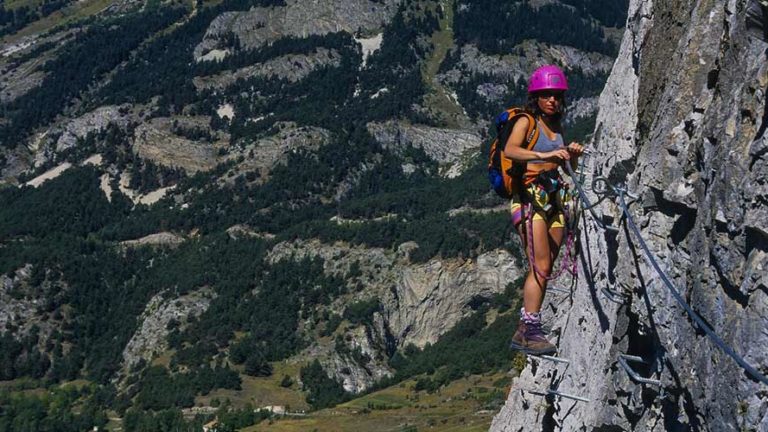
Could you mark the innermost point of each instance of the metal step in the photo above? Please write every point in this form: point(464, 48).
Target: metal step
point(560, 290)
point(558, 394)
point(551, 358)
point(623, 361)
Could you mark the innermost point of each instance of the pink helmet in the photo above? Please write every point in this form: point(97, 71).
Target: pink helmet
point(547, 77)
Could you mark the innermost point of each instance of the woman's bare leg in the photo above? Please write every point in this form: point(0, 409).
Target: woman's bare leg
point(535, 286)
point(529, 336)
point(556, 236)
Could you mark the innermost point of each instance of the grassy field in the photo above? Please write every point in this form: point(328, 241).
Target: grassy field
point(260, 392)
point(468, 404)
point(438, 98)
point(74, 12)
point(164, 359)
point(15, 4)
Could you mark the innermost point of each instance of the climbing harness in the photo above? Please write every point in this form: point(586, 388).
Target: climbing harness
point(568, 262)
point(539, 199)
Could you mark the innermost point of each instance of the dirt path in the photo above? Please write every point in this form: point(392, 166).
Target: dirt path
point(48, 175)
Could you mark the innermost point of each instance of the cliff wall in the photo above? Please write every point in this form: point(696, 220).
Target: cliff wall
point(682, 124)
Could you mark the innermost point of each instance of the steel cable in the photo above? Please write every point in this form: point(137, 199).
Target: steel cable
point(585, 200)
point(675, 293)
point(696, 318)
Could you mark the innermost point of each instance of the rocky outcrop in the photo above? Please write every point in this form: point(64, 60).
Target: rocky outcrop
point(17, 77)
point(155, 141)
point(260, 26)
point(94, 121)
point(515, 66)
point(242, 231)
point(420, 301)
point(264, 154)
point(582, 107)
point(292, 67)
point(446, 146)
point(429, 299)
point(23, 307)
point(151, 337)
point(65, 135)
point(16, 309)
point(361, 360)
point(13, 162)
point(18, 82)
point(682, 123)
point(158, 239)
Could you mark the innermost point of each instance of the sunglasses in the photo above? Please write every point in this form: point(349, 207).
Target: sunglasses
point(550, 94)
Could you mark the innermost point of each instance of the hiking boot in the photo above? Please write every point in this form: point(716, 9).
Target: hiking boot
point(529, 338)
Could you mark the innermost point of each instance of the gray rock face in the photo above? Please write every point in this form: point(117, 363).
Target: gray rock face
point(259, 26)
point(156, 142)
point(682, 123)
point(241, 231)
point(167, 239)
point(582, 107)
point(21, 307)
point(93, 121)
point(13, 162)
point(428, 299)
point(16, 79)
point(17, 82)
point(359, 374)
point(151, 337)
point(518, 65)
point(266, 153)
point(57, 138)
point(419, 302)
point(492, 92)
point(292, 67)
point(446, 146)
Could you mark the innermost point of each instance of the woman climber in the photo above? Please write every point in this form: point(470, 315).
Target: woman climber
point(539, 210)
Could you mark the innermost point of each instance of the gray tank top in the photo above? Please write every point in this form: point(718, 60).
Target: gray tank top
point(544, 144)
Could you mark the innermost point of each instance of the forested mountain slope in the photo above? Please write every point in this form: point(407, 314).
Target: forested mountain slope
point(268, 201)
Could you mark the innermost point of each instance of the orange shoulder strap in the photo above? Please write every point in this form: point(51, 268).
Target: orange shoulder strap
point(533, 132)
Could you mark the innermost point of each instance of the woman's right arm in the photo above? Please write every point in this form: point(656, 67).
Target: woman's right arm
point(514, 148)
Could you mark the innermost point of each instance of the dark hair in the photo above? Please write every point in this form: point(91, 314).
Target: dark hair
point(532, 107)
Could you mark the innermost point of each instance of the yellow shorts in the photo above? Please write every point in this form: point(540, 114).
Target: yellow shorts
point(554, 218)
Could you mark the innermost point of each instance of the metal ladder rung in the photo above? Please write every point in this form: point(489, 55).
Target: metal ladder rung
point(632, 373)
point(552, 358)
point(559, 394)
point(556, 289)
point(613, 296)
point(567, 396)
